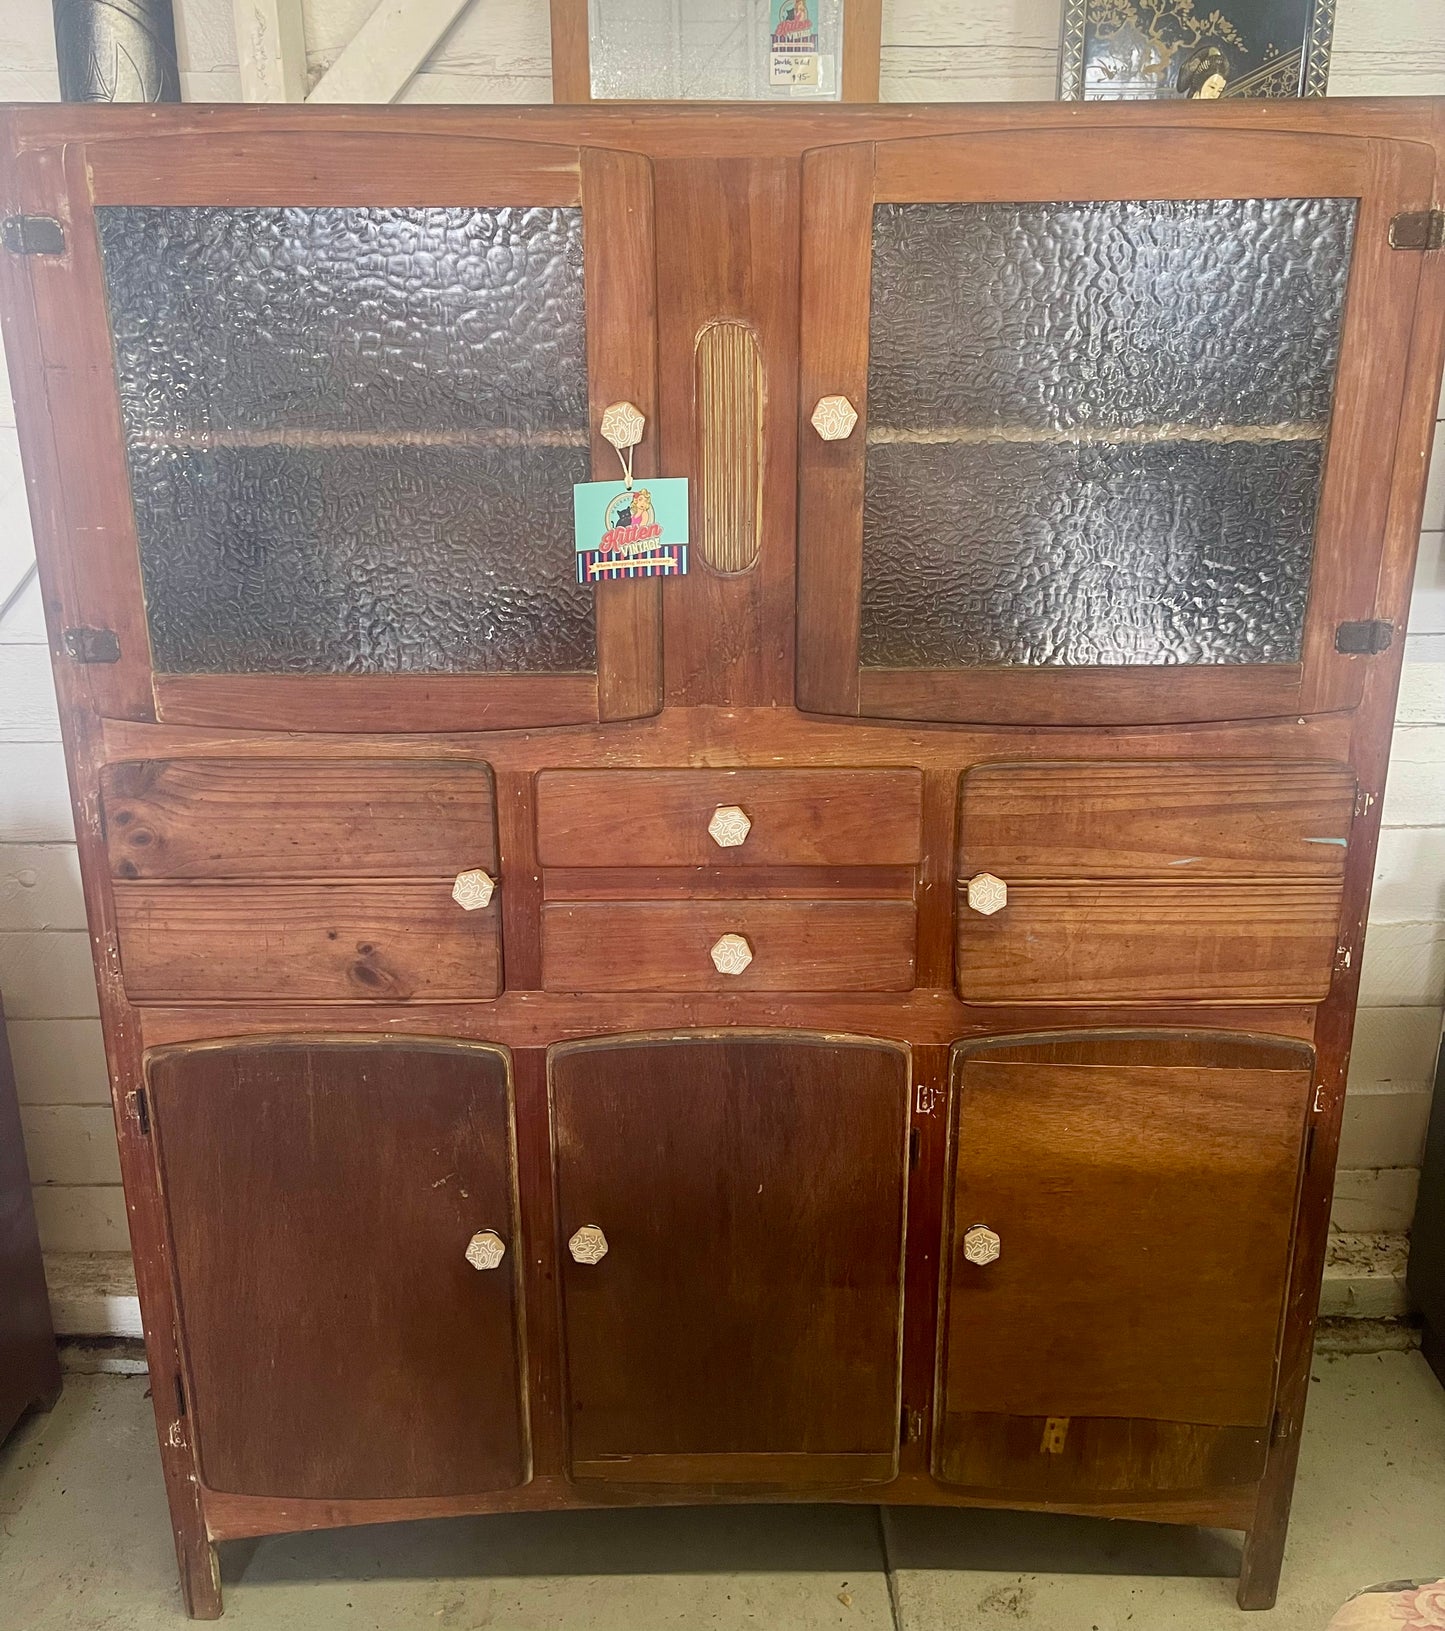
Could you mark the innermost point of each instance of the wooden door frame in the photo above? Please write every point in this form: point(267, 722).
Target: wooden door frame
point(840, 187)
point(91, 569)
point(572, 56)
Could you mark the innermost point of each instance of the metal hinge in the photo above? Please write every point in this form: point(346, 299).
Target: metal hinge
point(1418, 229)
point(142, 1111)
point(91, 645)
point(32, 235)
point(1364, 639)
point(910, 1426)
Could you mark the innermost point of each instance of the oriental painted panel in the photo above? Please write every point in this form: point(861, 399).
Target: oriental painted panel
point(1098, 473)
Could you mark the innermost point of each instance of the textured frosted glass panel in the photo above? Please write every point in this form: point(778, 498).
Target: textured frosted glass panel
point(1055, 316)
point(708, 50)
point(1178, 552)
point(364, 319)
point(353, 435)
point(1096, 431)
point(362, 560)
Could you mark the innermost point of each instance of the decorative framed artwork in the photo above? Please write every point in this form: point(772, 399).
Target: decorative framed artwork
point(715, 50)
point(1148, 50)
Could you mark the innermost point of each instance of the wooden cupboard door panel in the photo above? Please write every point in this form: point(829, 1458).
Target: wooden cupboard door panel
point(1146, 942)
point(397, 353)
point(609, 818)
point(744, 1324)
point(824, 945)
point(1180, 821)
point(320, 1199)
point(1143, 1213)
point(247, 818)
point(237, 942)
point(1199, 524)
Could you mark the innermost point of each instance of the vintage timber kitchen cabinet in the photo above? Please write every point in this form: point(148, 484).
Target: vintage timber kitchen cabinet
point(864, 1020)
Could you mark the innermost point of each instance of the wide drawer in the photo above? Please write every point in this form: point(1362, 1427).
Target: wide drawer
point(794, 817)
point(253, 818)
point(365, 942)
point(1184, 820)
point(1139, 942)
point(670, 945)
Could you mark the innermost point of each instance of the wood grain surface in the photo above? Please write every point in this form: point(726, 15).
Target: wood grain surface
point(320, 1196)
point(830, 945)
point(687, 1154)
point(228, 818)
point(800, 817)
point(365, 942)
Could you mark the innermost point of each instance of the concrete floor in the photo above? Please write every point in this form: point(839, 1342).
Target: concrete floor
point(84, 1545)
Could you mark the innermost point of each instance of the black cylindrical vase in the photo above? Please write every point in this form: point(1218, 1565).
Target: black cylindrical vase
point(116, 51)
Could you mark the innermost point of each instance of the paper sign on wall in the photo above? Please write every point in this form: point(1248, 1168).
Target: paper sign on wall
point(630, 532)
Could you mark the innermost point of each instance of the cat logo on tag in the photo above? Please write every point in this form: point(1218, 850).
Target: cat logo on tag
point(638, 532)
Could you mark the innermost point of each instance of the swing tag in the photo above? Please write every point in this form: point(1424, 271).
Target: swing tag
point(793, 58)
point(630, 532)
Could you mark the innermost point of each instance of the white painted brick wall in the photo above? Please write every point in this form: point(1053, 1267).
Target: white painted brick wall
point(498, 51)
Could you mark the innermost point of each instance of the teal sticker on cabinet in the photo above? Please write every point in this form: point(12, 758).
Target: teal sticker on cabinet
point(637, 532)
point(793, 59)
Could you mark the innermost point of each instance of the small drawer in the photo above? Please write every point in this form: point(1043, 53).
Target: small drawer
point(273, 818)
point(611, 818)
point(297, 943)
point(728, 945)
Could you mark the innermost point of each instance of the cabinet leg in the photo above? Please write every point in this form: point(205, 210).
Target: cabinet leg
point(48, 1393)
point(1432, 1345)
point(200, 1576)
point(1263, 1555)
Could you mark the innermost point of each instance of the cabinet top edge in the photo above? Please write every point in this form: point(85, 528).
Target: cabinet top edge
point(681, 129)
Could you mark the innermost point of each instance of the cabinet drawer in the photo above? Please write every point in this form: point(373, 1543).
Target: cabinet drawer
point(668, 945)
point(1132, 820)
point(1102, 942)
point(371, 942)
point(797, 817)
point(233, 818)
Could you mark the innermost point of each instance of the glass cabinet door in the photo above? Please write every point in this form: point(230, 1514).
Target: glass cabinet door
point(353, 399)
point(1113, 399)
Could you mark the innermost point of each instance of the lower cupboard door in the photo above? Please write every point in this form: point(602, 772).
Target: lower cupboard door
point(1118, 1234)
point(344, 1238)
point(730, 1215)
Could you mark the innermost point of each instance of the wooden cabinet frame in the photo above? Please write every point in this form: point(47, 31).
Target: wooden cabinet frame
point(717, 240)
point(841, 186)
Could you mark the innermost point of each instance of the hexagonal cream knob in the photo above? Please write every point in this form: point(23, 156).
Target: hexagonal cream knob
point(729, 826)
point(588, 1245)
point(987, 894)
point(834, 418)
point(981, 1245)
point(473, 890)
point(486, 1249)
point(622, 424)
point(731, 954)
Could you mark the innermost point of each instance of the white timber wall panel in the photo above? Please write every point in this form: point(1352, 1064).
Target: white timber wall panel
point(498, 51)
